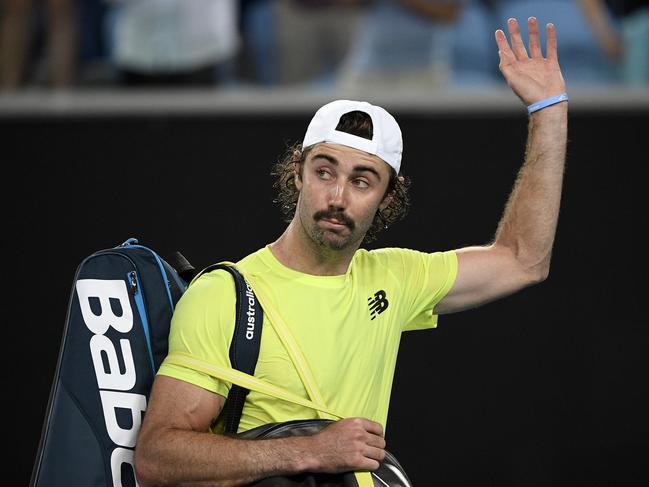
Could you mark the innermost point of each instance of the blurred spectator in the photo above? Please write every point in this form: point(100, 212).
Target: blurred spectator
point(633, 17)
point(403, 43)
point(174, 42)
point(313, 38)
point(94, 66)
point(259, 58)
point(474, 56)
point(19, 34)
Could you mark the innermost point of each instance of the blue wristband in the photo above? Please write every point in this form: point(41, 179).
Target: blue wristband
point(547, 102)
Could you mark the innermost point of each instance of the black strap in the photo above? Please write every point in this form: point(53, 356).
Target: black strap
point(182, 265)
point(246, 341)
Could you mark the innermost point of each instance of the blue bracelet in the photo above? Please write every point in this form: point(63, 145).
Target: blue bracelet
point(547, 102)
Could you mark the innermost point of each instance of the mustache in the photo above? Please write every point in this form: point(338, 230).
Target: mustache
point(335, 215)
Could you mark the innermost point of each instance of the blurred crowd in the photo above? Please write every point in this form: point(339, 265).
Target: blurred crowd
point(392, 44)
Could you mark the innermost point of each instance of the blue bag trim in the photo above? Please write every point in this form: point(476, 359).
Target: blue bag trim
point(129, 243)
point(162, 271)
point(139, 302)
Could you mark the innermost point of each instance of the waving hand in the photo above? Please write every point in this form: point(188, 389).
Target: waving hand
point(531, 76)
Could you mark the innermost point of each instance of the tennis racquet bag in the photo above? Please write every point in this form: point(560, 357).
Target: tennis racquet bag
point(389, 474)
point(114, 340)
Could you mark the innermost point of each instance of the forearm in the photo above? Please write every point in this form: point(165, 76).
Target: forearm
point(530, 218)
point(180, 457)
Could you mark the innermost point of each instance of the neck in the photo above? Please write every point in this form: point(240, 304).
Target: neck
point(299, 252)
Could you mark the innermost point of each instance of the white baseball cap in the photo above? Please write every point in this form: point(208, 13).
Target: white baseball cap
point(386, 141)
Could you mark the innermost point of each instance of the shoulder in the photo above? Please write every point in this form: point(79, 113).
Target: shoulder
point(213, 288)
point(215, 280)
point(220, 280)
point(390, 256)
point(384, 261)
point(403, 262)
point(209, 291)
point(204, 313)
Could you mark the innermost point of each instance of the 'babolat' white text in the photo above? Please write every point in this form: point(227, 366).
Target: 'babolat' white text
point(113, 385)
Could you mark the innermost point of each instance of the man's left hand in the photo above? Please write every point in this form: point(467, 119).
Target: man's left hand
point(532, 77)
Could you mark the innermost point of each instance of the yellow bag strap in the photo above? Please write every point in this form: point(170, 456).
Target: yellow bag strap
point(244, 380)
point(294, 351)
point(364, 479)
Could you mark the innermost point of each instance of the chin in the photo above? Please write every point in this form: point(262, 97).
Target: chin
point(336, 242)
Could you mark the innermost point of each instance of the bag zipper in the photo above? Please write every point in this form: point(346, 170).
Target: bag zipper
point(132, 243)
point(134, 281)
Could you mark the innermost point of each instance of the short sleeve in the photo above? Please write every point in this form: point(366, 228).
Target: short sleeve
point(202, 326)
point(425, 278)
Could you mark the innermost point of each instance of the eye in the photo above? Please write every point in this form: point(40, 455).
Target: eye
point(323, 173)
point(361, 183)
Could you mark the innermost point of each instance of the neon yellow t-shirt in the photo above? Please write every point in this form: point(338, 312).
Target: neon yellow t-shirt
point(348, 327)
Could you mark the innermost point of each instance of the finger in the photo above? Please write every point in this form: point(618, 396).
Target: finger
point(375, 440)
point(517, 42)
point(376, 454)
point(551, 45)
point(504, 51)
point(373, 427)
point(535, 43)
point(367, 464)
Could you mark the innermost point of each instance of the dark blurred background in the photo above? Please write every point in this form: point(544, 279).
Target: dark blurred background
point(161, 119)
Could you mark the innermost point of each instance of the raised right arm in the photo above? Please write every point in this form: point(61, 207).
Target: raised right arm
point(174, 446)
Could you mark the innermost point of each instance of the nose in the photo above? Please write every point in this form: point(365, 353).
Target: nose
point(337, 196)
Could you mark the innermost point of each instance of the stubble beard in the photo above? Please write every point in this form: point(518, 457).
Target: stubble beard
point(331, 238)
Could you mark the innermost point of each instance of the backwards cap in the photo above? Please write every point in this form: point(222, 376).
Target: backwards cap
point(386, 141)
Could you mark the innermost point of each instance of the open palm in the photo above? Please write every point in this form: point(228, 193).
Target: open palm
point(532, 77)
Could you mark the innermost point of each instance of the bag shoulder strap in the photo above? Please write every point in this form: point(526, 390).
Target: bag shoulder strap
point(246, 341)
point(244, 380)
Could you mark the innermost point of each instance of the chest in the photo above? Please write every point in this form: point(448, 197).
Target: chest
point(339, 330)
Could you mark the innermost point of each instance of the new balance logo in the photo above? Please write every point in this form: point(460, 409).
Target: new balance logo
point(377, 303)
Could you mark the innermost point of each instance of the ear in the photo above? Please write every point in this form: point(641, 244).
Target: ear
point(296, 176)
point(388, 197)
point(386, 201)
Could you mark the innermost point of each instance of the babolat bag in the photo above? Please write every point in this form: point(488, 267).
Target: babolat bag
point(114, 340)
point(389, 474)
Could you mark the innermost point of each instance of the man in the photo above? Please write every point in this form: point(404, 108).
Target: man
point(345, 306)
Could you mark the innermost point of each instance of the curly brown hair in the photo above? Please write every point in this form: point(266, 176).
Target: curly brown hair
point(356, 123)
